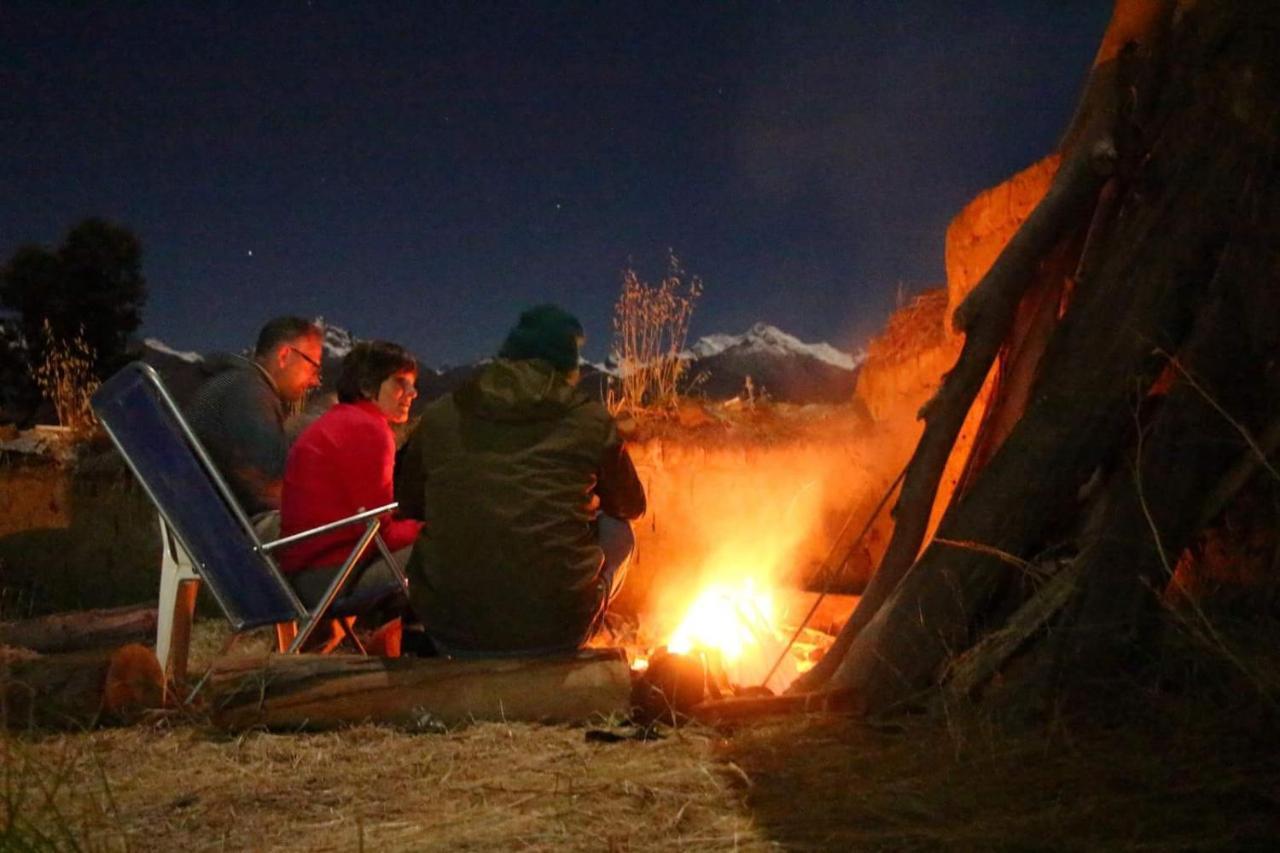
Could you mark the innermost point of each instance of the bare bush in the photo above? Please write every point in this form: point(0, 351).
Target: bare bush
point(650, 324)
point(65, 377)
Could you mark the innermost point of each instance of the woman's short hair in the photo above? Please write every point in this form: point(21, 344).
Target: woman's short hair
point(367, 366)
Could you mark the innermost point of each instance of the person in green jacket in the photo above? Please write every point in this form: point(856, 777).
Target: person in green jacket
point(527, 492)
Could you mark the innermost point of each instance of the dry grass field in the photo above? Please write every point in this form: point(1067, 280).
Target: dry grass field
point(1184, 761)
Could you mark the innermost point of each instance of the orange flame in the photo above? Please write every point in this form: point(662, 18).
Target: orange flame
point(730, 620)
point(735, 532)
point(739, 623)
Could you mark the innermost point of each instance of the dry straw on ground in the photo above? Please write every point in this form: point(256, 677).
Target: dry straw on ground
point(484, 787)
point(179, 785)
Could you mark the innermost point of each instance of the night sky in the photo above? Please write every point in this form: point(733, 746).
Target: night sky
point(421, 172)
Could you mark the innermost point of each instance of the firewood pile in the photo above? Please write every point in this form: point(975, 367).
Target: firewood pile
point(79, 669)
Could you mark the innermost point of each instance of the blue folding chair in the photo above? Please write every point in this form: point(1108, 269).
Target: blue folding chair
point(207, 536)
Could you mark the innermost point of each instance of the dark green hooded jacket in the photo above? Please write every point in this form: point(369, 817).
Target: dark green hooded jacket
point(504, 471)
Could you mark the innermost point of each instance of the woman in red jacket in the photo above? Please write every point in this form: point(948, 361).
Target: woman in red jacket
point(343, 464)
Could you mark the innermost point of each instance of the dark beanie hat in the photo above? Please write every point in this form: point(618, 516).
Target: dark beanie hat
point(547, 332)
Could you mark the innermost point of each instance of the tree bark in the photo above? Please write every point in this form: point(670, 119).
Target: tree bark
point(81, 630)
point(1251, 462)
point(295, 692)
point(1033, 325)
point(1226, 390)
point(81, 689)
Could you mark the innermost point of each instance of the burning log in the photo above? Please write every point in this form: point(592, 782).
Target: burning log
point(672, 686)
point(322, 692)
point(676, 688)
point(79, 689)
point(80, 630)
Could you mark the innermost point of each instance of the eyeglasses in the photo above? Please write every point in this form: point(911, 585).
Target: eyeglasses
point(308, 359)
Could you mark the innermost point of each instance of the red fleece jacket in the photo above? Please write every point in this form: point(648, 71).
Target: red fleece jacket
point(340, 465)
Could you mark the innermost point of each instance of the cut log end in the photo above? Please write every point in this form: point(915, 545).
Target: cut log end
point(81, 689)
point(134, 683)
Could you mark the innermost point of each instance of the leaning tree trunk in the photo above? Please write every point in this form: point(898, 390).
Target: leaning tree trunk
point(1101, 468)
point(1006, 313)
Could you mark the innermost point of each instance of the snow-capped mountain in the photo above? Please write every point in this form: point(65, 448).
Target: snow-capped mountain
point(779, 365)
point(770, 340)
point(184, 370)
point(181, 370)
point(161, 347)
point(337, 340)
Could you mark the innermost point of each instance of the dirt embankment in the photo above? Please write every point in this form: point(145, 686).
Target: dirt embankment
point(74, 536)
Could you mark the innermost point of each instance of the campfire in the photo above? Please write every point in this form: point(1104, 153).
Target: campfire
point(736, 533)
point(745, 637)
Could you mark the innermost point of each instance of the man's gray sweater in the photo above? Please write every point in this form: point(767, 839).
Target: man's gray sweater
point(239, 418)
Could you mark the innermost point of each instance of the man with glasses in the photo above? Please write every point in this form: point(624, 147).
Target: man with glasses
point(239, 412)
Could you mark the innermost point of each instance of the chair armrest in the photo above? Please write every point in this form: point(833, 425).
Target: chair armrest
point(325, 528)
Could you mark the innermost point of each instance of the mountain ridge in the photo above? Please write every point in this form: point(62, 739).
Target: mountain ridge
point(769, 361)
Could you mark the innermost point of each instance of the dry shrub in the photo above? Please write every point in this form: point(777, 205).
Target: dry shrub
point(65, 377)
point(650, 324)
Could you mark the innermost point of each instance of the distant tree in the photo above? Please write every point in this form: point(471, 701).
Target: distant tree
point(91, 286)
point(17, 390)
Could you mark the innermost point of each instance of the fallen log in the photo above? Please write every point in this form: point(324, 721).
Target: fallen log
point(79, 690)
point(318, 692)
point(81, 630)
